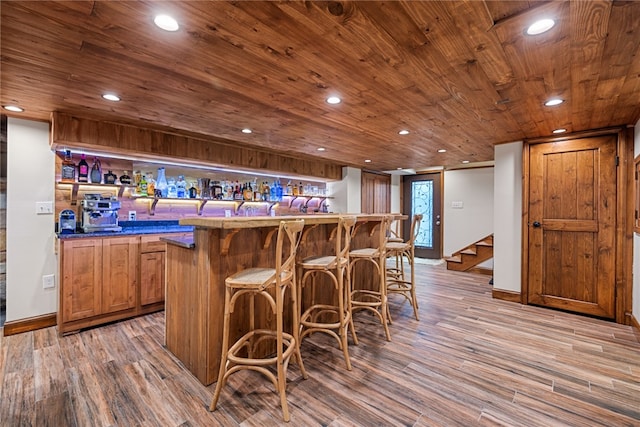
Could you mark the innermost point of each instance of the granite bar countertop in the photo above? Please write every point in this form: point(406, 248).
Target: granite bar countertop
point(183, 242)
point(133, 228)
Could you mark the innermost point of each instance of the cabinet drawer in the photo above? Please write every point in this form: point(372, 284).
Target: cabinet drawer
point(152, 244)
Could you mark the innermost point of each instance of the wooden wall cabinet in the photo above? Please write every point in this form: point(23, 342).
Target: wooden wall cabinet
point(110, 278)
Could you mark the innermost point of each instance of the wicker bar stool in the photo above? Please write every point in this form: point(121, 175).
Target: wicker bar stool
point(397, 282)
point(334, 317)
point(372, 299)
point(264, 282)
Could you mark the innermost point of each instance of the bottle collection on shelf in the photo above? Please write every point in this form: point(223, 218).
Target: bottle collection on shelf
point(178, 188)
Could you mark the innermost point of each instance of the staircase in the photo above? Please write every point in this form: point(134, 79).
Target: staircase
point(474, 254)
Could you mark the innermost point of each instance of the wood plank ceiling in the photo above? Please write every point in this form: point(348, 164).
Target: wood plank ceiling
point(459, 75)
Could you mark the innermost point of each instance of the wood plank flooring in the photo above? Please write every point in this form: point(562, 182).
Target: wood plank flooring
point(470, 360)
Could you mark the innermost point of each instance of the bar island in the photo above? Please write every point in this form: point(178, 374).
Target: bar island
point(196, 273)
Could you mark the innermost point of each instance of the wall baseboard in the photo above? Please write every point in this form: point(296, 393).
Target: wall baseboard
point(30, 324)
point(511, 296)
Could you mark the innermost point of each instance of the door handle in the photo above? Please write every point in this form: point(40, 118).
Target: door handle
point(536, 224)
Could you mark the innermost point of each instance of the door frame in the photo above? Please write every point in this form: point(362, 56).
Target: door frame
point(624, 217)
point(407, 223)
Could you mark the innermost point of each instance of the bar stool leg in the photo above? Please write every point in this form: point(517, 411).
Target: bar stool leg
point(225, 349)
point(296, 327)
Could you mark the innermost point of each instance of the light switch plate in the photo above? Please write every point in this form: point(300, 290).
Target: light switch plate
point(457, 205)
point(44, 208)
point(48, 281)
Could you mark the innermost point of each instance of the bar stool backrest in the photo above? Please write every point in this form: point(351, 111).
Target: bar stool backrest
point(415, 228)
point(385, 225)
point(343, 236)
point(289, 231)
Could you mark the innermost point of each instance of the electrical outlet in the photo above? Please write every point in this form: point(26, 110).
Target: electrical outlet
point(44, 208)
point(48, 281)
point(132, 215)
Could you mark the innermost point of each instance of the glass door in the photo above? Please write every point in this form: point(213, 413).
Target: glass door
point(422, 194)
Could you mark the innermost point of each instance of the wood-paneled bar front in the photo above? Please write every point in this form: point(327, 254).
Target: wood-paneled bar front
point(223, 246)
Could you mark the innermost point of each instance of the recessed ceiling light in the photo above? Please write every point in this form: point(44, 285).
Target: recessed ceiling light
point(246, 130)
point(321, 148)
point(166, 22)
point(403, 132)
point(540, 27)
point(334, 100)
point(554, 101)
point(465, 161)
point(13, 108)
point(399, 169)
point(367, 161)
point(111, 97)
point(559, 131)
point(442, 150)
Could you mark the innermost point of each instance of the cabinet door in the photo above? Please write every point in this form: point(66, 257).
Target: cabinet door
point(152, 277)
point(81, 279)
point(119, 273)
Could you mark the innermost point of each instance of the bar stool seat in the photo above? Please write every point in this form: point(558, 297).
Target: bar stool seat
point(330, 317)
point(397, 282)
point(372, 298)
point(271, 284)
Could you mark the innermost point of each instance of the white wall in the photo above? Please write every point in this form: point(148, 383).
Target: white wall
point(507, 219)
point(636, 242)
point(30, 237)
point(395, 194)
point(346, 193)
point(462, 226)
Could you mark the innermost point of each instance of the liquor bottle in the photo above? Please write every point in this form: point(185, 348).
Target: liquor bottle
point(161, 183)
point(294, 189)
point(289, 189)
point(266, 192)
point(142, 187)
point(151, 184)
point(257, 190)
point(248, 192)
point(193, 192)
point(125, 179)
point(279, 191)
point(172, 190)
point(83, 169)
point(181, 187)
point(273, 197)
point(68, 168)
point(300, 189)
point(96, 171)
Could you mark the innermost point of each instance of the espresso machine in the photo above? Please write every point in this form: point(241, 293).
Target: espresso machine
point(99, 213)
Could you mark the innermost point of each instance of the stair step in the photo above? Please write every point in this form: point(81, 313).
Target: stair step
point(474, 254)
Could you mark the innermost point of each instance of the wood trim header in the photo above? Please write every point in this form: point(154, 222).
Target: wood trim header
point(68, 131)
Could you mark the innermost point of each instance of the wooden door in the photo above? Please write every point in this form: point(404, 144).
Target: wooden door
point(375, 193)
point(119, 273)
point(572, 220)
point(422, 194)
point(81, 278)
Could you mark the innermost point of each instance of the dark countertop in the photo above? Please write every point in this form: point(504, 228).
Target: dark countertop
point(183, 242)
point(133, 228)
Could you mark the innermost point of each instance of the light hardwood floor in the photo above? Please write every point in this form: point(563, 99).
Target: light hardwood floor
point(470, 360)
